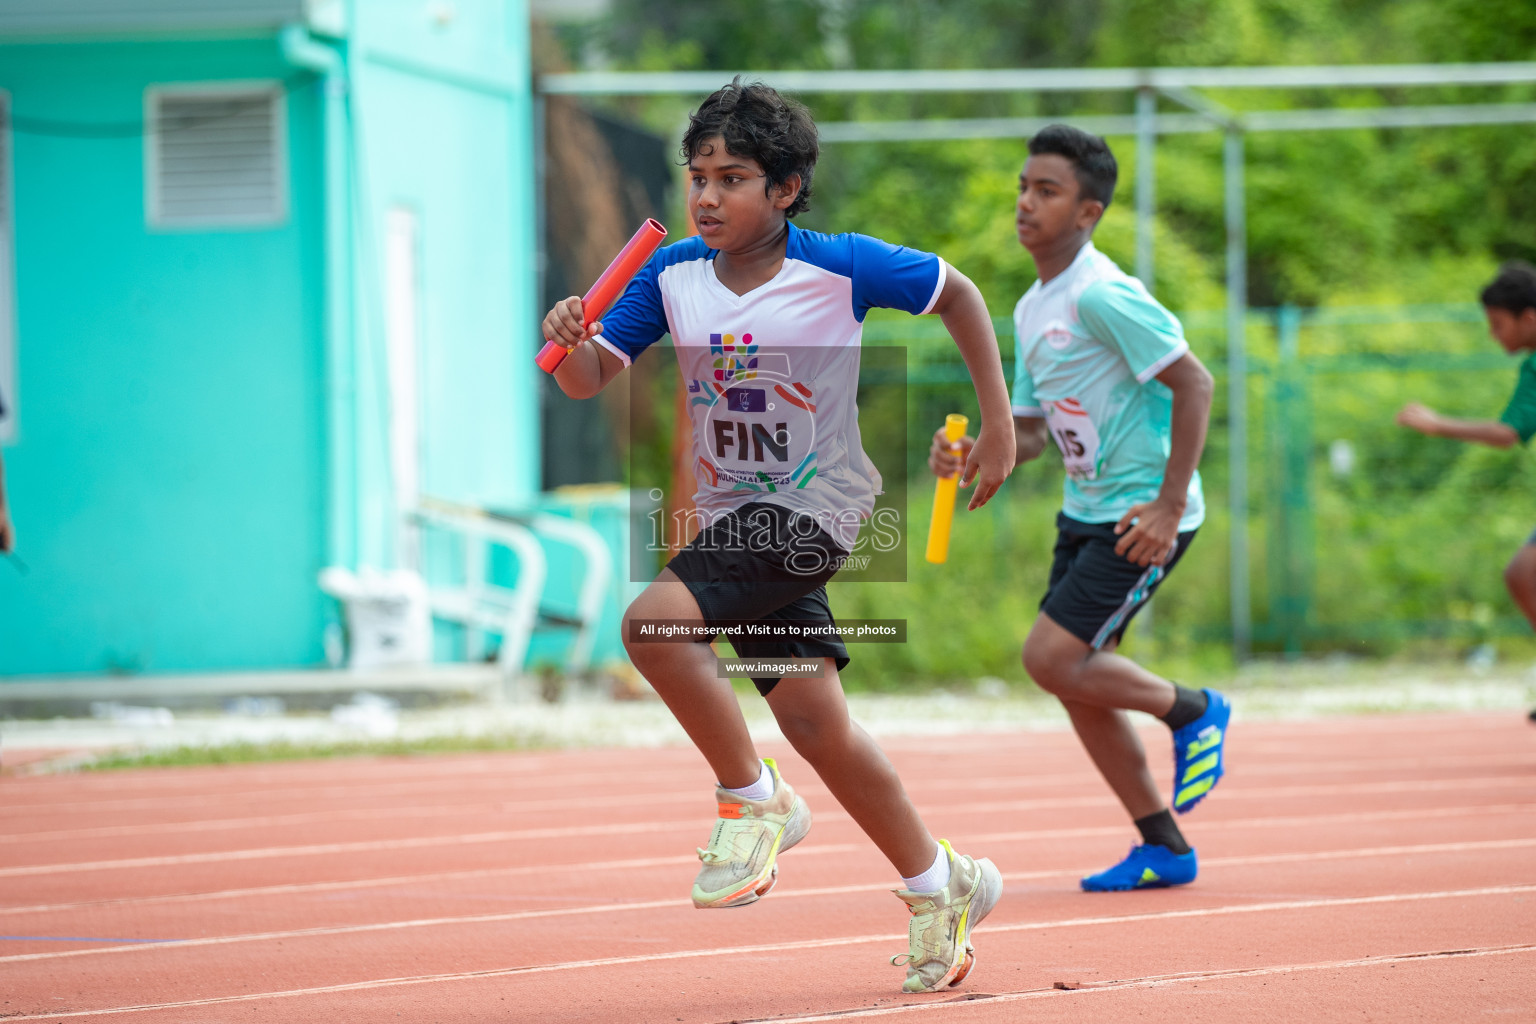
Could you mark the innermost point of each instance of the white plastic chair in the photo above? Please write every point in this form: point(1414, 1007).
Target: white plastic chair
point(515, 612)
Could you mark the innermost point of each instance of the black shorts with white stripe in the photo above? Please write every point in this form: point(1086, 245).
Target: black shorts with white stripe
point(1094, 593)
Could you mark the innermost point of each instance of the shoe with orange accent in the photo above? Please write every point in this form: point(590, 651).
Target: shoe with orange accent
point(741, 862)
point(939, 951)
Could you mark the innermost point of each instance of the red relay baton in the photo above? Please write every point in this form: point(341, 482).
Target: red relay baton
point(609, 286)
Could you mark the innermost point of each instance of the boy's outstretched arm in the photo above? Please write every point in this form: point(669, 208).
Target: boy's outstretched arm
point(965, 316)
point(1030, 437)
point(588, 367)
point(1150, 540)
point(1426, 421)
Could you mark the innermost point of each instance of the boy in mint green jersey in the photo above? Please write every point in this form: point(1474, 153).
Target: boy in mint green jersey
point(1509, 302)
point(1104, 370)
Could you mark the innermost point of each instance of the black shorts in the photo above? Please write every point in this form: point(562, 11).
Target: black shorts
point(764, 563)
point(1094, 593)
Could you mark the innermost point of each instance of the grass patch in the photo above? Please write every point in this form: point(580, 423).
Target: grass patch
point(288, 750)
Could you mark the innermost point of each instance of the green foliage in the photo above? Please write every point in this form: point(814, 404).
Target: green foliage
point(1407, 545)
point(784, 34)
point(725, 34)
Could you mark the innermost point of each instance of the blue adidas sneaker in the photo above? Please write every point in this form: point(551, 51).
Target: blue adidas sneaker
point(1147, 867)
point(1197, 753)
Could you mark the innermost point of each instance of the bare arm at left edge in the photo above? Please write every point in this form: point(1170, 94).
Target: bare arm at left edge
point(965, 316)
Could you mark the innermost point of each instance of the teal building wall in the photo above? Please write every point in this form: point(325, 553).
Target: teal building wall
point(166, 476)
point(204, 413)
point(443, 128)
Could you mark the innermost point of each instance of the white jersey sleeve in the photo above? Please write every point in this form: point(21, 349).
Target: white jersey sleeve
point(890, 276)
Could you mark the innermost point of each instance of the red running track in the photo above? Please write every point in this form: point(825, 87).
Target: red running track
point(1376, 869)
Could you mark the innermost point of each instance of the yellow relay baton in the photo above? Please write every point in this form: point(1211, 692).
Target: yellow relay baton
point(944, 494)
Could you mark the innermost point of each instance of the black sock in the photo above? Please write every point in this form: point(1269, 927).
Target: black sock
point(1188, 705)
point(1159, 830)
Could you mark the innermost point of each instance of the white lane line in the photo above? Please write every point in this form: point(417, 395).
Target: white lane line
point(529, 766)
point(817, 849)
point(265, 891)
point(1253, 908)
point(783, 947)
point(1152, 981)
point(1470, 846)
point(312, 817)
point(1023, 776)
point(822, 849)
point(1361, 788)
point(534, 768)
point(696, 795)
point(418, 842)
point(1299, 821)
point(381, 790)
point(702, 794)
point(1228, 795)
point(610, 908)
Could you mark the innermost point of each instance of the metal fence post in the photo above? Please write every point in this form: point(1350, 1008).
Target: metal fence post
point(1146, 212)
point(1291, 544)
point(1237, 391)
point(1146, 180)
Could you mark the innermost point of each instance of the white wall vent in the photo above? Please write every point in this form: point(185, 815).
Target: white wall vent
point(215, 156)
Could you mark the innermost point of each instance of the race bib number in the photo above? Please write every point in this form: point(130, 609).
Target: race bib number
point(1076, 436)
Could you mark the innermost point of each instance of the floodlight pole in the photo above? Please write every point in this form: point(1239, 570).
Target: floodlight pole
point(1237, 389)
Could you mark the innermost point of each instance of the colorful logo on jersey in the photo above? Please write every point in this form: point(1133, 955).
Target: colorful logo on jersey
point(750, 436)
point(746, 400)
point(803, 399)
point(733, 360)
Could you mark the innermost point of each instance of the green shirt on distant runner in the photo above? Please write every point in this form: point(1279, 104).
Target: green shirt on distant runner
point(1520, 413)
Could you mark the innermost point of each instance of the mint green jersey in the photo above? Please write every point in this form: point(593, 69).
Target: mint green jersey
point(1089, 345)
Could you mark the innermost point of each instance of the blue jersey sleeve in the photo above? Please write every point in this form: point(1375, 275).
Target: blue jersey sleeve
point(893, 277)
point(638, 319)
point(1123, 316)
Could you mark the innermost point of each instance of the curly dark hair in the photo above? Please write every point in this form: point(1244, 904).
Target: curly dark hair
point(1089, 155)
point(756, 122)
point(1514, 289)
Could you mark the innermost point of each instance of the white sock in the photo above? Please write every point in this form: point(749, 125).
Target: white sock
point(762, 789)
point(937, 875)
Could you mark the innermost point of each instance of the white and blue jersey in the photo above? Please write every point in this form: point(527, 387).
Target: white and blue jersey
point(773, 375)
point(1089, 345)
